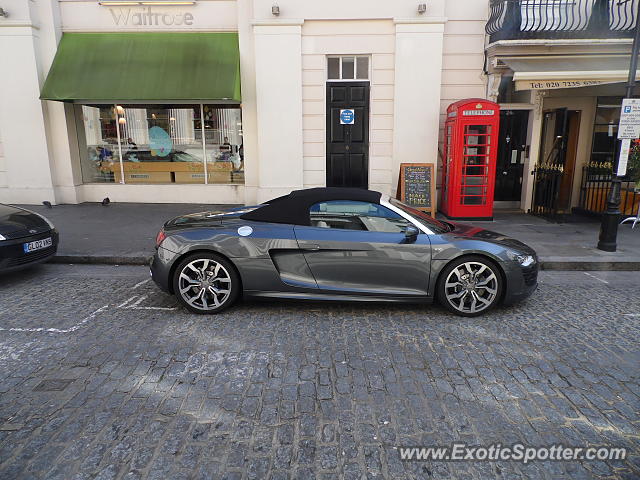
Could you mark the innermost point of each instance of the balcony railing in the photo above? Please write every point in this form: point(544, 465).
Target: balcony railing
point(556, 19)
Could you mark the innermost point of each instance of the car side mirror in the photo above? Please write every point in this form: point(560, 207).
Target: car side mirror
point(411, 233)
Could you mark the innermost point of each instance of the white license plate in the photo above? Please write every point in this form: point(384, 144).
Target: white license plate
point(37, 245)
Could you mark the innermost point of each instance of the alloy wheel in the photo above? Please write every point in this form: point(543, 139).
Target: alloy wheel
point(204, 284)
point(471, 287)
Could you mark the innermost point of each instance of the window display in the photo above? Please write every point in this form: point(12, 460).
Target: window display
point(199, 144)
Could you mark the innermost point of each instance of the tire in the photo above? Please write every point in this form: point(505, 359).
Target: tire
point(468, 296)
point(200, 283)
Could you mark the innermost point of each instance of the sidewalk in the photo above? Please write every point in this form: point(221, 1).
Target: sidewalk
point(124, 233)
point(569, 246)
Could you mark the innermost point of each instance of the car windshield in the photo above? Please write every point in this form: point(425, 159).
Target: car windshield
point(436, 225)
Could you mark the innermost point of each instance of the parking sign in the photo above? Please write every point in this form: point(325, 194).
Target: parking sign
point(629, 127)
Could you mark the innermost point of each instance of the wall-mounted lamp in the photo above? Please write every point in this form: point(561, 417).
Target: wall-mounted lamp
point(422, 8)
point(275, 10)
point(3, 13)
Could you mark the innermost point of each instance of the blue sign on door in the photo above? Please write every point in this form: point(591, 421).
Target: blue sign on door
point(347, 116)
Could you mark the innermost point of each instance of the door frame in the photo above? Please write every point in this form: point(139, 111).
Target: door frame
point(526, 127)
point(574, 117)
point(557, 183)
point(524, 203)
point(367, 131)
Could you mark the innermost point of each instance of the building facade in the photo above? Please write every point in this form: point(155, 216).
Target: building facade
point(238, 101)
point(559, 70)
point(100, 130)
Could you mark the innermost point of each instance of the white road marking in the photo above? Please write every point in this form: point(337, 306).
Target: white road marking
point(133, 305)
point(631, 314)
point(153, 308)
point(593, 276)
point(85, 320)
point(139, 284)
point(127, 304)
point(136, 305)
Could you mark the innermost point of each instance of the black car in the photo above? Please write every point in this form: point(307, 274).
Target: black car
point(339, 244)
point(26, 238)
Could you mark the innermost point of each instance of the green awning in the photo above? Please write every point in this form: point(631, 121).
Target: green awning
point(136, 67)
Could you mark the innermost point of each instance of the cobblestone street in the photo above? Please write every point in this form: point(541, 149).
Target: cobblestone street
point(103, 376)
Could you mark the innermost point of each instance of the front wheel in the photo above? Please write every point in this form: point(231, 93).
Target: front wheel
point(206, 283)
point(470, 286)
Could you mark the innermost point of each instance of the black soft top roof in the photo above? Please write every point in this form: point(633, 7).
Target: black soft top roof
point(294, 208)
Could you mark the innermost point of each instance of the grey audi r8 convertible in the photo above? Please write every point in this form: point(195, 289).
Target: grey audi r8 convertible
point(338, 244)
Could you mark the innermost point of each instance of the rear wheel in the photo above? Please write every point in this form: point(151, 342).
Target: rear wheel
point(470, 286)
point(206, 283)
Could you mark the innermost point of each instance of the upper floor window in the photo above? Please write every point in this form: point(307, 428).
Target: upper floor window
point(353, 215)
point(348, 68)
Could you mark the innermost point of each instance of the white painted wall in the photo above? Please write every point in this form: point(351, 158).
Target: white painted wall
point(3, 166)
point(246, 45)
point(278, 65)
point(417, 93)
point(27, 169)
point(463, 53)
point(375, 38)
point(206, 15)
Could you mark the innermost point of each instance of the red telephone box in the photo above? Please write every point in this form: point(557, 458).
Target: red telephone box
point(469, 163)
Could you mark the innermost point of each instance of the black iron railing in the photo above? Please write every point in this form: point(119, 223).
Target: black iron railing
point(554, 19)
point(594, 189)
point(548, 176)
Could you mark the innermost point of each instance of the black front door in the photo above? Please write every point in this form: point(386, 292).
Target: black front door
point(348, 135)
point(512, 145)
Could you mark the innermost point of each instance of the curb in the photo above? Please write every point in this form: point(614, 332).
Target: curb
point(101, 259)
point(586, 266)
point(580, 265)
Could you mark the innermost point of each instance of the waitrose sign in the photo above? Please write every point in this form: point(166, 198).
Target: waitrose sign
point(145, 16)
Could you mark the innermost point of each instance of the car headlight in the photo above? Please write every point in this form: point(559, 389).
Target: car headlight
point(523, 259)
point(2, 237)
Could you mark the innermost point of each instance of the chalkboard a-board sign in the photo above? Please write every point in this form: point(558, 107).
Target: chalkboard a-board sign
point(417, 186)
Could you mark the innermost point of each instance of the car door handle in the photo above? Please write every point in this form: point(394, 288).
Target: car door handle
point(310, 246)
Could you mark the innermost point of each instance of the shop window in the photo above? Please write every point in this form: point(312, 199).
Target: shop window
point(348, 68)
point(161, 144)
point(605, 132)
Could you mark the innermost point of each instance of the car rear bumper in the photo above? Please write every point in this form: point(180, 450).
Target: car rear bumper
point(13, 257)
point(160, 268)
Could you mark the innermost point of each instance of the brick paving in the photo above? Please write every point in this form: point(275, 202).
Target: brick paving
point(101, 376)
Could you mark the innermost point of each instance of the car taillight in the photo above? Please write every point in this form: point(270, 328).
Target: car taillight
point(160, 237)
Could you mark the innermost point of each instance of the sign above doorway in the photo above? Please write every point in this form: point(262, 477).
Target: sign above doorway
point(347, 116)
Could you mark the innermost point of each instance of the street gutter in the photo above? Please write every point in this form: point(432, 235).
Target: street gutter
point(562, 265)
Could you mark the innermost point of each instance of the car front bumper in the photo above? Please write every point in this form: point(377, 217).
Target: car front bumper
point(521, 282)
point(13, 257)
